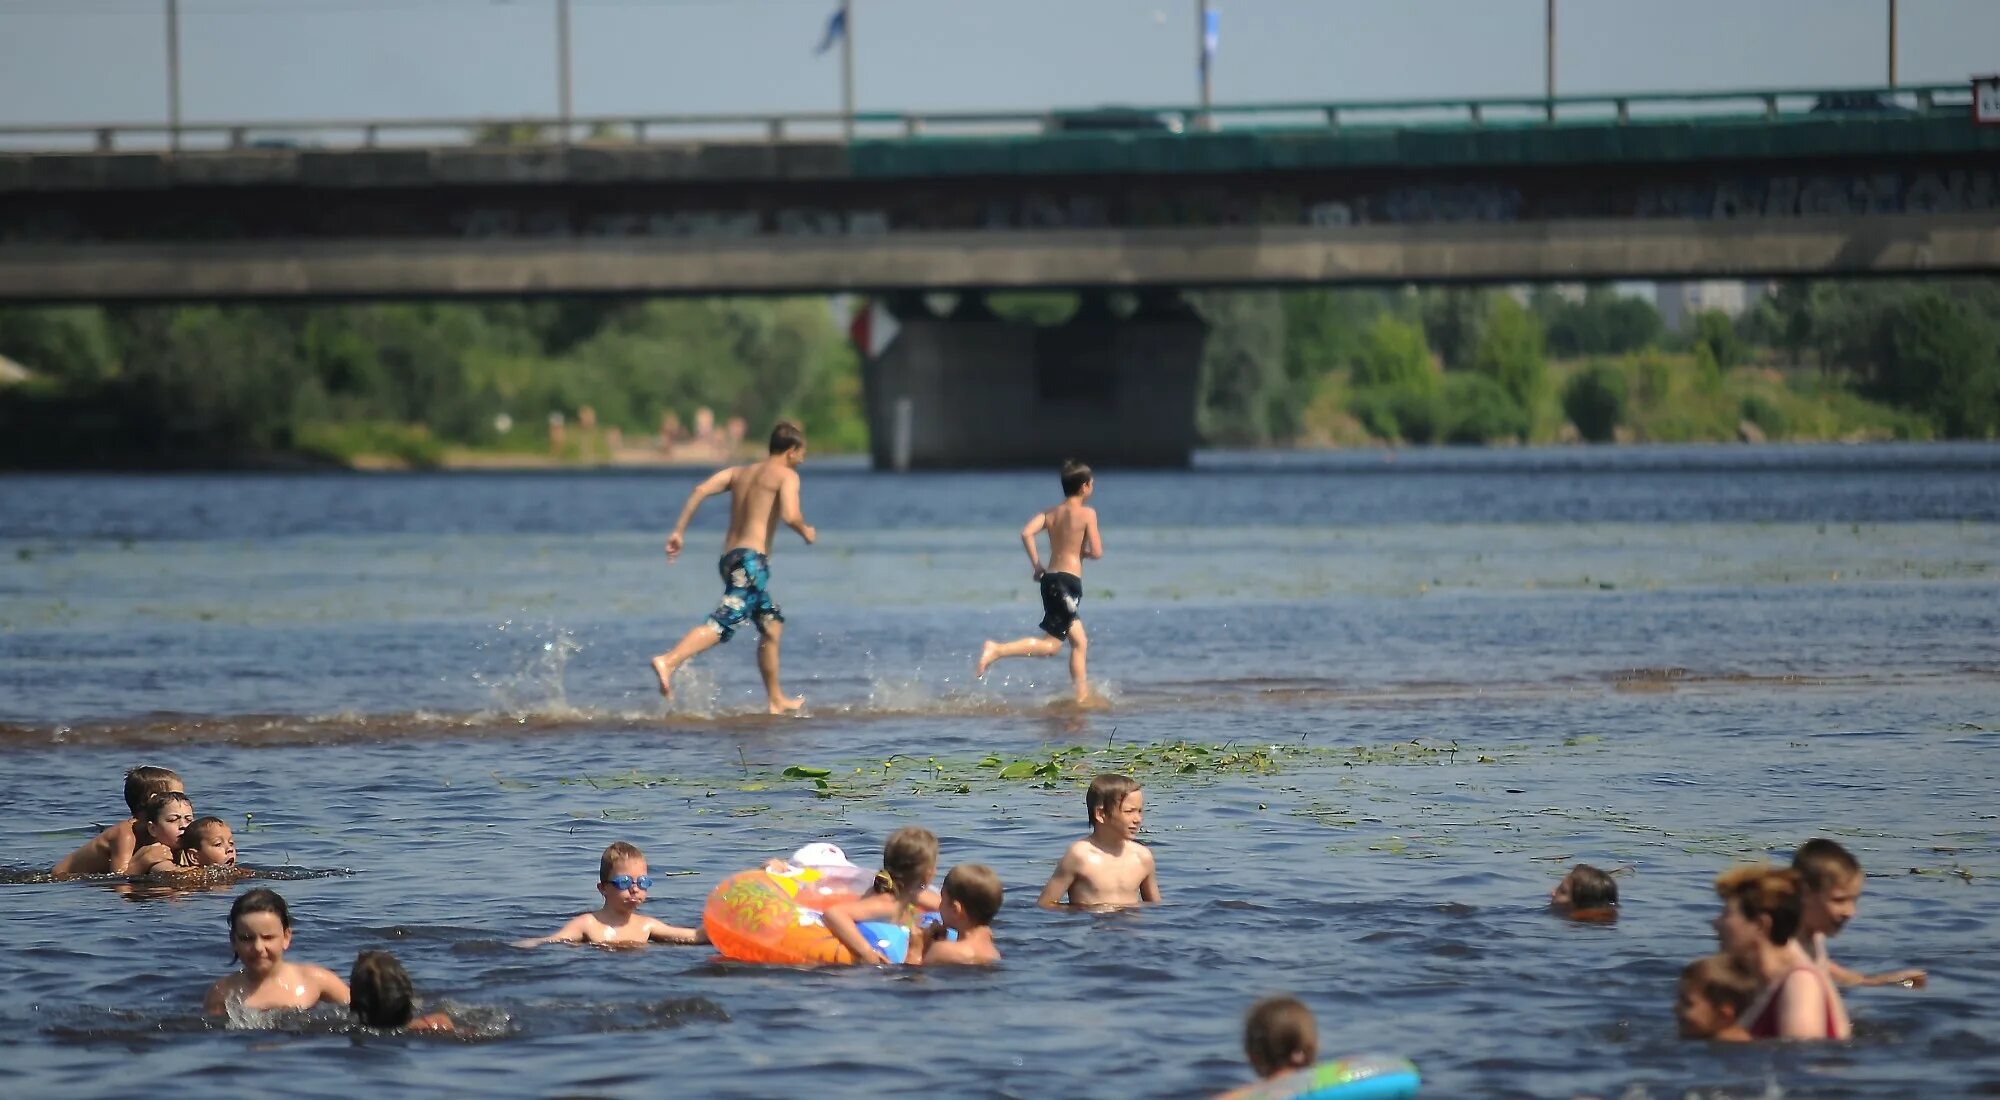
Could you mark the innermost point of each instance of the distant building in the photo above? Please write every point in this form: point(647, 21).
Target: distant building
point(1679, 302)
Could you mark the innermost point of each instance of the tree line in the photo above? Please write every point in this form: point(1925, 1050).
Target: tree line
point(219, 384)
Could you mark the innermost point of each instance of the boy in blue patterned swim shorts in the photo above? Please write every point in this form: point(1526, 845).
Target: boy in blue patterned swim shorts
point(1073, 536)
point(762, 495)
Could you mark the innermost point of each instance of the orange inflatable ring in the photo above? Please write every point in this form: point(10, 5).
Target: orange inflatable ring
point(773, 915)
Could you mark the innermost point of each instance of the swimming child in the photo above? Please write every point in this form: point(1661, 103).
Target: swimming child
point(110, 852)
point(1713, 992)
point(1585, 894)
point(209, 842)
point(622, 881)
point(1758, 927)
point(383, 999)
point(1110, 866)
point(1833, 881)
point(167, 817)
point(1280, 1036)
point(970, 899)
point(909, 860)
point(761, 495)
point(260, 932)
point(1073, 536)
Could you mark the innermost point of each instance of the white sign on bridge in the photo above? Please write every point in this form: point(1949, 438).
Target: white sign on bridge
point(1986, 101)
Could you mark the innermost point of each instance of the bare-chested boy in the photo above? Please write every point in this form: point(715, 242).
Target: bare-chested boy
point(762, 495)
point(1073, 536)
point(966, 906)
point(110, 853)
point(1110, 866)
point(623, 882)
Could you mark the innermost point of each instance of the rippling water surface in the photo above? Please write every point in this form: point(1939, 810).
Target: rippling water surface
point(1426, 685)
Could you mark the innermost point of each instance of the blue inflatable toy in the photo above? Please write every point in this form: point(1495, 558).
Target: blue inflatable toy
point(1363, 1077)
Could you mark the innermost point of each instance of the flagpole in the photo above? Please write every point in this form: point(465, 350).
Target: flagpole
point(847, 68)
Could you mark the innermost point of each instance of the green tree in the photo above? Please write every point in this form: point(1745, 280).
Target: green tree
point(1478, 409)
point(1510, 352)
point(1594, 400)
point(1392, 353)
point(1243, 395)
point(1941, 358)
point(1453, 319)
point(1714, 330)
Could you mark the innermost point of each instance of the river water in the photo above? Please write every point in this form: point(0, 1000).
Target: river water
point(1425, 682)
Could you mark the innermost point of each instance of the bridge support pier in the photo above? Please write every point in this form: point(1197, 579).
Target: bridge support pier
point(971, 390)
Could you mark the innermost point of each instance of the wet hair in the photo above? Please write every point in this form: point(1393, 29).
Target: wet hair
point(380, 988)
point(1590, 888)
point(158, 803)
point(1721, 981)
point(785, 435)
point(200, 825)
point(1107, 792)
point(1075, 475)
point(1761, 890)
point(976, 889)
point(1279, 1033)
point(1823, 864)
point(259, 900)
point(907, 856)
point(618, 852)
point(145, 781)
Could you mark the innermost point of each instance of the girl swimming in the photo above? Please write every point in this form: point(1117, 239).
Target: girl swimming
point(909, 861)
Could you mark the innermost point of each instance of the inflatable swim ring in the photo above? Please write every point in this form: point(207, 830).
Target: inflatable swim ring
point(1364, 1077)
point(774, 915)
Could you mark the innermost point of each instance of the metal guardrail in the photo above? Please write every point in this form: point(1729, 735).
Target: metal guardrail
point(827, 126)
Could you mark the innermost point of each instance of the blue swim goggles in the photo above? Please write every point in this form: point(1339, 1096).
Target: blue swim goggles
point(626, 882)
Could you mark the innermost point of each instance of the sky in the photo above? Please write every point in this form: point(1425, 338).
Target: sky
point(103, 61)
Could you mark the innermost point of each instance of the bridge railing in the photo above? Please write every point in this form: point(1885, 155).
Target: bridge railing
point(1776, 105)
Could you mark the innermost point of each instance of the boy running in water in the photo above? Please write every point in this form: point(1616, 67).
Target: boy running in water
point(762, 495)
point(1073, 536)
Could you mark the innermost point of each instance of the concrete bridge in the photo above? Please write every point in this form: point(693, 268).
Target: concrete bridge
point(1742, 184)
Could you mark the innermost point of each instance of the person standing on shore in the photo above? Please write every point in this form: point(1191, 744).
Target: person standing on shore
point(762, 495)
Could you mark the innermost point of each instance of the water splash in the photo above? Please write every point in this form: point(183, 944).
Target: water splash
point(534, 686)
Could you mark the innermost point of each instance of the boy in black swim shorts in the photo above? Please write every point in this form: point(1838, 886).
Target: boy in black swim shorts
point(1073, 536)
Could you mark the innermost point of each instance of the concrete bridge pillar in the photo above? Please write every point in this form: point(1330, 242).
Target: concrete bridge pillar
point(971, 390)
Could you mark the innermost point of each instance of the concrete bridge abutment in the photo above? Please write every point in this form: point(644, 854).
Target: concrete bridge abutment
point(970, 389)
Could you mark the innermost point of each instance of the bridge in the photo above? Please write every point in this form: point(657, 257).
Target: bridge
point(1823, 182)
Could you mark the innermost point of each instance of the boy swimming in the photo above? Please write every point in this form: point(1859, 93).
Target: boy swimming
point(167, 817)
point(1834, 879)
point(967, 905)
point(110, 852)
point(1110, 866)
point(1712, 995)
point(761, 495)
point(260, 932)
point(622, 881)
point(1280, 1036)
point(1585, 894)
point(1073, 536)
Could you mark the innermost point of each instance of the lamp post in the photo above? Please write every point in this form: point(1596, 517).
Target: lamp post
point(847, 69)
point(174, 75)
point(1892, 43)
point(562, 68)
point(1549, 59)
point(1204, 57)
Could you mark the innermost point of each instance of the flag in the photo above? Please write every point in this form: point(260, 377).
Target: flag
point(836, 29)
point(1211, 34)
